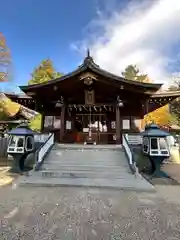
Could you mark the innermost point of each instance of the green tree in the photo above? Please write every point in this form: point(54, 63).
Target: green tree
point(44, 73)
point(131, 72)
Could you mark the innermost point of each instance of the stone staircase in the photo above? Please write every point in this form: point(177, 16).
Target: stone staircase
point(134, 139)
point(87, 166)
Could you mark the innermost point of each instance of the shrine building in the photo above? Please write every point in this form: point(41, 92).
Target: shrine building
point(93, 104)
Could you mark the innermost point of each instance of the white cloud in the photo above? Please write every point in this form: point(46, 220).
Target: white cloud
point(142, 33)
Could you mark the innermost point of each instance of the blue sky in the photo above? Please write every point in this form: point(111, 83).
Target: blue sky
point(118, 32)
point(39, 29)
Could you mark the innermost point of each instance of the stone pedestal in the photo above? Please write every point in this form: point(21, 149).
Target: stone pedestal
point(18, 162)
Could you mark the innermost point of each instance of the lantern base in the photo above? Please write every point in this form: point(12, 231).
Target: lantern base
point(17, 163)
point(157, 162)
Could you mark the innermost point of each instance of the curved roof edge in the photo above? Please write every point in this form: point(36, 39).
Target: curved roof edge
point(166, 94)
point(89, 64)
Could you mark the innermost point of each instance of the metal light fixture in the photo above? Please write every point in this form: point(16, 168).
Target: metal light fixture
point(119, 102)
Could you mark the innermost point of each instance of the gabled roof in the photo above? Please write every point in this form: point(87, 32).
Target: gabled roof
point(89, 64)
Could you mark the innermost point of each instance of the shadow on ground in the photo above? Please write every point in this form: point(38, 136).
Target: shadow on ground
point(160, 181)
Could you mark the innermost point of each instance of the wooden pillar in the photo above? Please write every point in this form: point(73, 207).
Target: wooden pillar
point(109, 131)
point(131, 122)
point(42, 121)
point(145, 110)
point(38, 105)
point(62, 123)
point(118, 126)
point(146, 107)
point(73, 120)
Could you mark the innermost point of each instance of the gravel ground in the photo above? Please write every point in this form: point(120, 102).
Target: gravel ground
point(88, 214)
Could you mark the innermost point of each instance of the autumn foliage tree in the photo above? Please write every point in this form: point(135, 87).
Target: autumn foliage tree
point(44, 73)
point(160, 116)
point(5, 60)
point(131, 72)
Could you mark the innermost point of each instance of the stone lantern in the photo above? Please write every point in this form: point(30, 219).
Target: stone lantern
point(155, 146)
point(21, 144)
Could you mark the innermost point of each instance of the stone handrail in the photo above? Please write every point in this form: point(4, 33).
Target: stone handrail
point(43, 150)
point(129, 153)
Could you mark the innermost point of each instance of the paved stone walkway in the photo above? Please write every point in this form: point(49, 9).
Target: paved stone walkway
point(85, 213)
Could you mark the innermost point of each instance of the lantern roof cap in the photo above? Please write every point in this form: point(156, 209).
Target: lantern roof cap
point(22, 130)
point(154, 130)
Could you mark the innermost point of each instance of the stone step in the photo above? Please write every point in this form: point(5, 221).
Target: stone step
point(90, 157)
point(96, 168)
point(119, 184)
point(86, 151)
point(85, 174)
point(88, 147)
point(85, 163)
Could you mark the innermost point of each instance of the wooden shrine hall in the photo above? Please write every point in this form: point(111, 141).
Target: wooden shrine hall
point(93, 105)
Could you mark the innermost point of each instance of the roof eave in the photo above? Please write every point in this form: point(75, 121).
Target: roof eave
point(166, 94)
point(119, 78)
point(89, 64)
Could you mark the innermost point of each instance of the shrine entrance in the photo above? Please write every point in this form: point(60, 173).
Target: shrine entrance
point(101, 127)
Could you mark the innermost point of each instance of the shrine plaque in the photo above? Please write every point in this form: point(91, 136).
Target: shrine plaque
point(68, 125)
point(89, 97)
point(126, 124)
point(86, 130)
point(57, 123)
point(48, 122)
